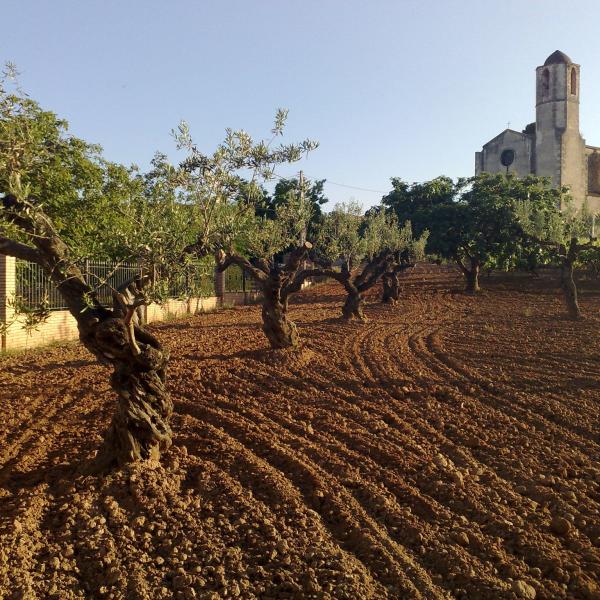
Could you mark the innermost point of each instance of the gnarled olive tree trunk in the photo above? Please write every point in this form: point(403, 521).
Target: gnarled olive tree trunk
point(353, 306)
point(391, 288)
point(140, 427)
point(391, 277)
point(280, 331)
point(355, 284)
point(363, 281)
point(277, 282)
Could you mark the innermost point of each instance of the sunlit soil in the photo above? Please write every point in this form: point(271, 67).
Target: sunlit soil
point(447, 448)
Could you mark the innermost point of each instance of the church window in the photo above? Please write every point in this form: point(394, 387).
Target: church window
point(507, 157)
point(545, 82)
point(573, 81)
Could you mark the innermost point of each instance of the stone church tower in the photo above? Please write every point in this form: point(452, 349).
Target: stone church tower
point(552, 146)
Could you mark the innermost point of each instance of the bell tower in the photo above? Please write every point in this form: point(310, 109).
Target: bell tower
point(559, 147)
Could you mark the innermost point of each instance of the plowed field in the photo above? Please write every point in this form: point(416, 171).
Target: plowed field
point(447, 448)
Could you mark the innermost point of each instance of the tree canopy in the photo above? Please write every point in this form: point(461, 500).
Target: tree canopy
point(473, 221)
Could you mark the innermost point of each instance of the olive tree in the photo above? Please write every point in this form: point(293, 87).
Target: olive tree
point(227, 222)
point(273, 253)
point(56, 189)
point(402, 261)
point(565, 233)
point(361, 246)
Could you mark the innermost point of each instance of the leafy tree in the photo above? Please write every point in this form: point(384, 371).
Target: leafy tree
point(402, 260)
point(274, 253)
point(565, 233)
point(287, 190)
point(270, 250)
point(499, 221)
point(473, 220)
point(591, 258)
point(476, 226)
point(413, 202)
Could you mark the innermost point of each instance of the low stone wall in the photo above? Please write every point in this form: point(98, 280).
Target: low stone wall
point(59, 327)
point(180, 308)
point(62, 327)
point(240, 298)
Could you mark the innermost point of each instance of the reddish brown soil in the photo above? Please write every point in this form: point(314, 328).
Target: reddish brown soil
point(448, 448)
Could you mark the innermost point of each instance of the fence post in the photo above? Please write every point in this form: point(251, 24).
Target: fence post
point(220, 285)
point(8, 288)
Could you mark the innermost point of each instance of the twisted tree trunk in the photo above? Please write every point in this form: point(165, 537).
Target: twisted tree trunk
point(140, 426)
point(130, 290)
point(567, 281)
point(391, 277)
point(375, 268)
point(280, 331)
point(391, 288)
point(353, 306)
point(277, 282)
point(355, 285)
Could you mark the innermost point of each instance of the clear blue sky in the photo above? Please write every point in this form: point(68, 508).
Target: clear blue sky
point(388, 87)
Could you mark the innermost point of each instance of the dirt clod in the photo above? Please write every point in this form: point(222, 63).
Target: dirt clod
point(560, 525)
point(523, 590)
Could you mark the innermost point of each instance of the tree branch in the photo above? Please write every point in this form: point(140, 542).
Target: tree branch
point(52, 254)
point(197, 249)
point(589, 244)
point(295, 257)
point(372, 267)
point(459, 262)
point(403, 267)
point(466, 251)
point(263, 265)
point(377, 270)
point(19, 250)
point(224, 261)
point(296, 284)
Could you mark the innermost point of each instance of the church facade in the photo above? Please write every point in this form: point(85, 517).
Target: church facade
point(552, 146)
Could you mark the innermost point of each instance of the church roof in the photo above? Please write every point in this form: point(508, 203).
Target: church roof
point(557, 58)
point(506, 133)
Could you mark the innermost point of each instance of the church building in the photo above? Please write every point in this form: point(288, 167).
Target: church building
point(552, 146)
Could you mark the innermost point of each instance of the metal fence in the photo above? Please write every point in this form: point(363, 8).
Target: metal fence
point(236, 280)
point(197, 279)
point(34, 287)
